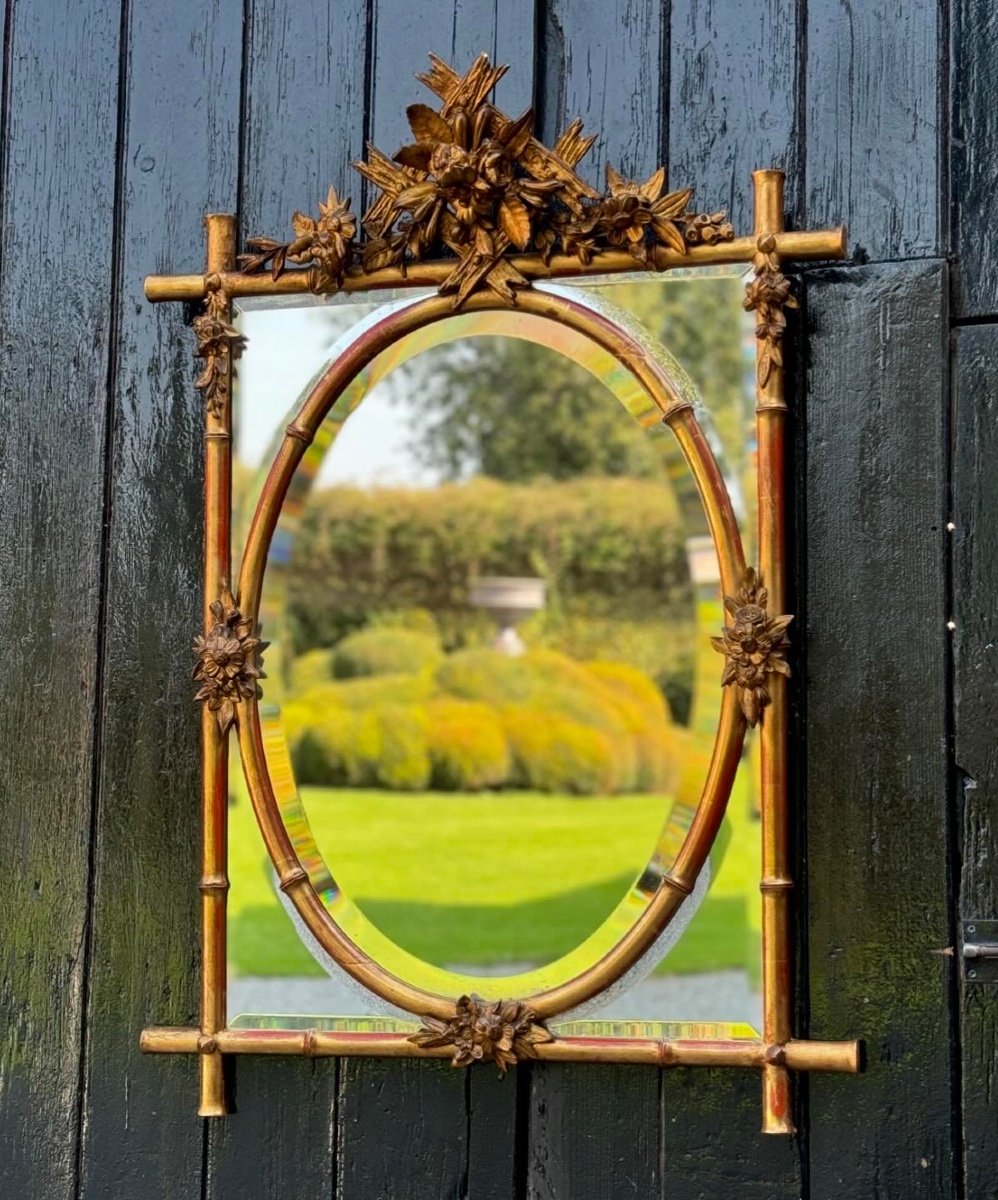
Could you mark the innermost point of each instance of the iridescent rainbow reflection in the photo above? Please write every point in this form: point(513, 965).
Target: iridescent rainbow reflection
point(676, 811)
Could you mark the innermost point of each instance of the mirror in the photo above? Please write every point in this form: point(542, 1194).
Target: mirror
point(491, 697)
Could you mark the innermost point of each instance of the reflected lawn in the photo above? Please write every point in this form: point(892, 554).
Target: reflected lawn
point(405, 859)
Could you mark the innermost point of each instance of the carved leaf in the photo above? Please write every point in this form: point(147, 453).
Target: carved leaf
point(428, 126)
point(651, 189)
point(517, 134)
point(416, 156)
point(668, 233)
point(417, 194)
point(515, 221)
point(302, 224)
point(674, 204)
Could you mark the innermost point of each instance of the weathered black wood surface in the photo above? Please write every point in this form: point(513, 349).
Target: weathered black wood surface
point(975, 131)
point(877, 766)
point(874, 101)
point(975, 614)
point(58, 185)
point(120, 126)
point(181, 74)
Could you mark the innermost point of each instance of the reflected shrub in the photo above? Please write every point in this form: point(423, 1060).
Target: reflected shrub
point(487, 720)
point(552, 753)
point(385, 651)
point(468, 750)
point(375, 747)
point(367, 692)
point(310, 669)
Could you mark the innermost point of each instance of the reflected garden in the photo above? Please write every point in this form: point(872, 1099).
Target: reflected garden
point(486, 782)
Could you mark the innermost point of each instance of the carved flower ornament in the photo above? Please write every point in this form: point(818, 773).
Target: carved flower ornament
point(755, 645)
point(227, 668)
point(479, 185)
point(217, 342)
point(499, 1031)
point(324, 242)
point(767, 296)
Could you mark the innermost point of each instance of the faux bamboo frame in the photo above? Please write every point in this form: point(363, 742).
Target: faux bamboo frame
point(480, 229)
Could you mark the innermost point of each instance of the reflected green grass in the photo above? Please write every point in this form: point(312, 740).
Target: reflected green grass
point(476, 879)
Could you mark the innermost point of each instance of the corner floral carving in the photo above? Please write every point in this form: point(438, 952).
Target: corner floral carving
point(499, 1031)
point(323, 243)
point(755, 645)
point(227, 666)
point(767, 296)
point(218, 343)
point(478, 186)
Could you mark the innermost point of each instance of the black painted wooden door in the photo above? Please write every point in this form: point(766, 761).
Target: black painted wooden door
point(121, 125)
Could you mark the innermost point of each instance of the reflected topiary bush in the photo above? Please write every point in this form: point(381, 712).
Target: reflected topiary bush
point(468, 750)
point(552, 753)
point(485, 720)
point(385, 651)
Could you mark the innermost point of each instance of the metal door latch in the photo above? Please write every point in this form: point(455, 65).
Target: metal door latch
point(979, 951)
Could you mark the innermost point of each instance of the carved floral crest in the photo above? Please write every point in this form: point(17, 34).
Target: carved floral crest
point(755, 645)
point(499, 1031)
point(477, 185)
point(227, 661)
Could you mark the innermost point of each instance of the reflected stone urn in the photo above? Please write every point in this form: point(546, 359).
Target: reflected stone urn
point(508, 599)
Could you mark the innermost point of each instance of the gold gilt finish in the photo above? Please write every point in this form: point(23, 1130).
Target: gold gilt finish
point(767, 296)
point(499, 1031)
point(478, 185)
point(227, 667)
point(218, 343)
point(755, 646)
point(476, 207)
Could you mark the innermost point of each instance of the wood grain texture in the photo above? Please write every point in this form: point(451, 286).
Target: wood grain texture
point(605, 63)
point(495, 1143)
point(178, 160)
point(280, 1142)
point(594, 1132)
point(873, 98)
point(57, 196)
point(711, 1144)
point(975, 134)
point(302, 126)
point(403, 1131)
point(405, 34)
point(733, 101)
point(975, 612)
point(304, 119)
point(877, 777)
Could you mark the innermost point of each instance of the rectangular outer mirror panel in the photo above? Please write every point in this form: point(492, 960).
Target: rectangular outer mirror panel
point(479, 456)
point(524, 603)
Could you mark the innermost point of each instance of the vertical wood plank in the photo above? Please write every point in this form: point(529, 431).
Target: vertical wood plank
point(874, 94)
point(280, 1142)
point(403, 1131)
point(304, 119)
point(302, 126)
point(711, 1144)
point(975, 134)
point(975, 597)
point(877, 774)
point(57, 197)
point(494, 1140)
point(594, 1132)
point(178, 160)
point(733, 101)
point(606, 64)
point(405, 33)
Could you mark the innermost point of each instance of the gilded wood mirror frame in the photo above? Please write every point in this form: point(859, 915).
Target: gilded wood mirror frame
point(527, 217)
